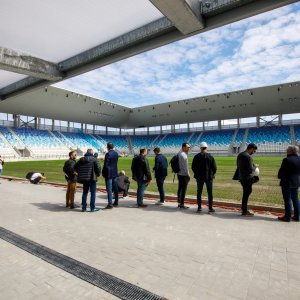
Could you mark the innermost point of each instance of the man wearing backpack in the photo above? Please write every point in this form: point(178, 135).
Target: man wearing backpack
point(204, 168)
point(71, 177)
point(88, 170)
point(183, 175)
point(161, 172)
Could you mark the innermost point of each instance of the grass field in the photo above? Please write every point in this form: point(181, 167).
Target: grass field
point(266, 191)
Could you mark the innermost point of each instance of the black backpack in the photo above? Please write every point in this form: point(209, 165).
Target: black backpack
point(174, 162)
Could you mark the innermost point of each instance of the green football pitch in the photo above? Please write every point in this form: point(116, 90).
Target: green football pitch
point(266, 191)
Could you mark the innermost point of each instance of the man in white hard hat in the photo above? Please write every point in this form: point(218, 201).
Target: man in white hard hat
point(204, 168)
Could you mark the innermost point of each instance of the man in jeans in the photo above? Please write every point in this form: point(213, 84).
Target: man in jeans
point(161, 172)
point(183, 175)
point(110, 173)
point(246, 170)
point(88, 170)
point(71, 177)
point(288, 174)
point(141, 174)
point(204, 168)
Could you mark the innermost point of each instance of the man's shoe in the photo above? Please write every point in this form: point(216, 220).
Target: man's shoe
point(283, 219)
point(159, 203)
point(295, 219)
point(95, 209)
point(211, 210)
point(83, 209)
point(247, 214)
point(199, 210)
point(67, 205)
point(183, 206)
point(108, 207)
point(115, 204)
point(142, 206)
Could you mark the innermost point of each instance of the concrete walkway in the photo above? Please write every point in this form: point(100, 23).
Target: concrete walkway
point(172, 253)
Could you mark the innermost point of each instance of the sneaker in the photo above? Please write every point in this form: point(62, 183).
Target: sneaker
point(115, 204)
point(295, 219)
point(142, 206)
point(183, 206)
point(67, 205)
point(95, 209)
point(247, 214)
point(108, 207)
point(211, 210)
point(199, 210)
point(159, 203)
point(74, 206)
point(83, 209)
point(283, 219)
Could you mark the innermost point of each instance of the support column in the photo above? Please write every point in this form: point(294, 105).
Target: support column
point(82, 127)
point(257, 122)
point(160, 130)
point(188, 127)
point(219, 124)
point(203, 126)
point(35, 123)
point(106, 130)
point(238, 123)
point(133, 131)
point(120, 131)
point(52, 125)
point(94, 129)
point(172, 128)
point(147, 130)
point(280, 120)
point(85, 128)
point(68, 128)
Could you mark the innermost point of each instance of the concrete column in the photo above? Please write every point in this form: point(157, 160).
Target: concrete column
point(35, 123)
point(172, 128)
point(85, 128)
point(94, 129)
point(106, 130)
point(219, 124)
point(68, 126)
point(52, 125)
point(238, 123)
point(120, 131)
point(82, 127)
point(133, 131)
point(257, 122)
point(203, 126)
point(147, 130)
point(15, 117)
point(280, 120)
point(188, 127)
point(160, 131)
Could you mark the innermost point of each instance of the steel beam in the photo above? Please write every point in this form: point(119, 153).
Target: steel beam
point(18, 62)
point(185, 15)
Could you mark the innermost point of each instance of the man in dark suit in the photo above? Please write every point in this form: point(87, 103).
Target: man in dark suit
point(204, 168)
point(161, 172)
point(110, 173)
point(88, 170)
point(246, 170)
point(142, 175)
point(288, 174)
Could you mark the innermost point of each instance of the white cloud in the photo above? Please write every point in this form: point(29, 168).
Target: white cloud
point(254, 52)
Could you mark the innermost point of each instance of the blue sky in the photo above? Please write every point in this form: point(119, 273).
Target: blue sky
point(262, 50)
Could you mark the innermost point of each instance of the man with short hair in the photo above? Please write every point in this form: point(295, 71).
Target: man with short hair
point(288, 174)
point(161, 172)
point(71, 177)
point(246, 170)
point(88, 170)
point(36, 177)
point(142, 175)
point(110, 173)
point(204, 168)
point(123, 183)
point(183, 175)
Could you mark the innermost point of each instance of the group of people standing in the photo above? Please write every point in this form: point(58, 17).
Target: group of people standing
point(87, 169)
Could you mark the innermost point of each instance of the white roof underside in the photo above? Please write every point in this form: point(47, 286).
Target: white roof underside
point(56, 30)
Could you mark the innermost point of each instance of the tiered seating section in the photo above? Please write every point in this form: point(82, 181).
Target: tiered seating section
point(47, 144)
point(270, 139)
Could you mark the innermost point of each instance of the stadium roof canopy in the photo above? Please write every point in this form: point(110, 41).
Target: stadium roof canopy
point(59, 104)
point(43, 42)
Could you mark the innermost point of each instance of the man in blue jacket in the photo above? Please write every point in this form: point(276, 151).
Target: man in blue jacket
point(161, 172)
point(88, 170)
point(110, 173)
point(288, 174)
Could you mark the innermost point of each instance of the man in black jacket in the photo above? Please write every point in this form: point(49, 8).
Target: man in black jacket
point(246, 170)
point(204, 168)
point(88, 170)
point(161, 172)
point(288, 174)
point(71, 177)
point(141, 173)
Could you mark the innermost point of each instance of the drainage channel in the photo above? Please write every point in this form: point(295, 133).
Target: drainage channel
point(111, 284)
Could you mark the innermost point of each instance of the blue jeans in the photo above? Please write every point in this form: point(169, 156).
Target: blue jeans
point(112, 186)
point(290, 195)
point(160, 185)
point(89, 186)
point(1, 172)
point(209, 187)
point(142, 185)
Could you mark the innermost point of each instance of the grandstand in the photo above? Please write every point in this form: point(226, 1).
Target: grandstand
point(18, 143)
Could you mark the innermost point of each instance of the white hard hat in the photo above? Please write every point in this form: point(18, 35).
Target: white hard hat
point(256, 172)
point(203, 145)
